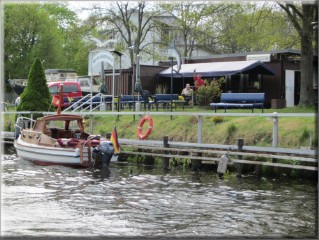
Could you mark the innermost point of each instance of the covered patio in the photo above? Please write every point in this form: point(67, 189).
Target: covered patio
point(241, 76)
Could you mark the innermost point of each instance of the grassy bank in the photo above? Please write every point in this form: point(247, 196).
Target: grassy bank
point(294, 132)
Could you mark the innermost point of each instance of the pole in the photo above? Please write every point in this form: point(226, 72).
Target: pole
point(119, 90)
point(91, 81)
point(275, 131)
point(113, 81)
point(171, 86)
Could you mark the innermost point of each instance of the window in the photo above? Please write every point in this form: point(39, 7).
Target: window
point(54, 89)
point(70, 88)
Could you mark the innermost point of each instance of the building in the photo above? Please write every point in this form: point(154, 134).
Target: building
point(281, 89)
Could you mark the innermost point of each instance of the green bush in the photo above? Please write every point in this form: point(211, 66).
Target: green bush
point(231, 129)
point(211, 91)
point(218, 119)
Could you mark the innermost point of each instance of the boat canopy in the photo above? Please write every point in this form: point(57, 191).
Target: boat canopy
point(219, 69)
point(41, 123)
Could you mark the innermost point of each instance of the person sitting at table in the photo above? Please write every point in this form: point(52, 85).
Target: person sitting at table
point(187, 93)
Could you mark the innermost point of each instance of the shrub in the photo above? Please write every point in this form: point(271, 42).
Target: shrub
point(211, 91)
point(305, 135)
point(218, 119)
point(231, 129)
point(161, 89)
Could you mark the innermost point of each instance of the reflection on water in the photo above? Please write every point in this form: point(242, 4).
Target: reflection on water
point(132, 200)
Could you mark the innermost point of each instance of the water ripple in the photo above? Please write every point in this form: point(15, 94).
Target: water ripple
point(129, 200)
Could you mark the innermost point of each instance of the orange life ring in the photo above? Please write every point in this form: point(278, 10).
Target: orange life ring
point(140, 127)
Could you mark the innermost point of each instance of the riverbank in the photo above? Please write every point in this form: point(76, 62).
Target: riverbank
point(293, 132)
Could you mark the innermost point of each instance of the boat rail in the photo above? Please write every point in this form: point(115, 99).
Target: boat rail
point(24, 122)
point(21, 123)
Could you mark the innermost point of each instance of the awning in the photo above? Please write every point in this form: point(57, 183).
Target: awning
point(219, 69)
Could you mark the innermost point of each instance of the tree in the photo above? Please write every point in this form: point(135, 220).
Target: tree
point(36, 95)
point(48, 31)
point(129, 21)
point(251, 27)
point(190, 19)
point(29, 32)
point(302, 16)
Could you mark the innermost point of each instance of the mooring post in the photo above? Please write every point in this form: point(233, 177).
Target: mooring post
point(222, 165)
point(275, 130)
point(196, 164)
point(239, 166)
point(165, 159)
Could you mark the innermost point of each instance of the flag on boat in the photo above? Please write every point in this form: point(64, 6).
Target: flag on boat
point(115, 142)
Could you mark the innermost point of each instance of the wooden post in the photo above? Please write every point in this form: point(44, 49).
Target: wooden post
point(165, 159)
point(275, 131)
point(239, 166)
point(196, 164)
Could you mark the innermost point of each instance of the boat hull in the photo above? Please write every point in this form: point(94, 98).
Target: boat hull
point(44, 155)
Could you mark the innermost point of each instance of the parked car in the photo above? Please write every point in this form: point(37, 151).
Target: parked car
point(71, 92)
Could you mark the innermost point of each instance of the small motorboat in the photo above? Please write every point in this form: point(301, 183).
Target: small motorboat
point(60, 139)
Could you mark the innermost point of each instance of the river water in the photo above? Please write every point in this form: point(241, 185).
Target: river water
point(131, 200)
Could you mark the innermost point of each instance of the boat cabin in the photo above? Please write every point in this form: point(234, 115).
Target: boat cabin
point(61, 126)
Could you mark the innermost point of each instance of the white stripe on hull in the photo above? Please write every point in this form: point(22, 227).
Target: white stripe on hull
point(46, 154)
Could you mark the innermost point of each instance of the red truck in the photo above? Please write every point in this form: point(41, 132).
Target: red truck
point(71, 92)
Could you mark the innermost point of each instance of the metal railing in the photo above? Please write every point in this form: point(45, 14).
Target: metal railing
point(86, 105)
point(274, 116)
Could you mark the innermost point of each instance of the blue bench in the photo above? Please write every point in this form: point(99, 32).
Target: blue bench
point(240, 100)
point(129, 100)
point(165, 100)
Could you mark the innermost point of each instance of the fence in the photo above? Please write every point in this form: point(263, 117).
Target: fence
point(195, 150)
point(274, 116)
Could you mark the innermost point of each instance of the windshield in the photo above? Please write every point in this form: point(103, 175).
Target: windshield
point(66, 89)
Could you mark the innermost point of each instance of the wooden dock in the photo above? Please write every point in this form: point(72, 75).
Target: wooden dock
point(7, 137)
point(210, 153)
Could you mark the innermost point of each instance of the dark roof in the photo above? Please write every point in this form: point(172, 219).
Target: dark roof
point(219, 69)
